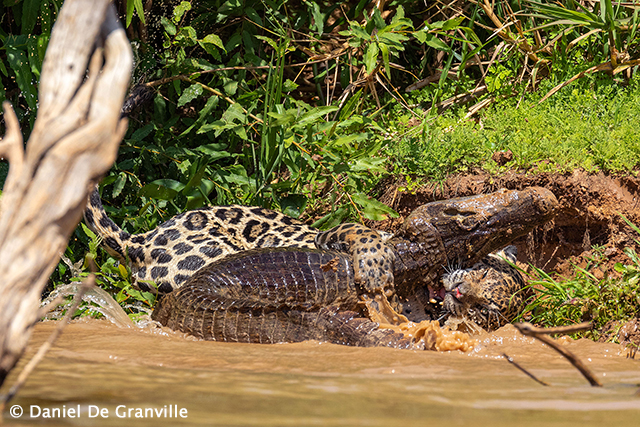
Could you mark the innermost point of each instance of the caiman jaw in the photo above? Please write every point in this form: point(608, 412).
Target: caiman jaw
point(472, 227)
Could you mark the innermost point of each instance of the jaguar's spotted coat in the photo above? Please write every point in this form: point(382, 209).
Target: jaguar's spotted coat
point(177, 248)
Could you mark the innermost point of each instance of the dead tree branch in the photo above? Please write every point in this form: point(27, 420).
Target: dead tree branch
point(75, 139)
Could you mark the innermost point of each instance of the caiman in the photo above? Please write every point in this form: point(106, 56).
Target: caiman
point(294, 294)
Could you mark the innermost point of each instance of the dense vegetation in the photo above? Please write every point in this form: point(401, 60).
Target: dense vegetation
point(304, 106)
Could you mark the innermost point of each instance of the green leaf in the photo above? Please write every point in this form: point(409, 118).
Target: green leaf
point(197, 196)
point(346, 140)
point(210, 43)
point(196, 178)
point(43, 43)
point(395, 40)
point(213, 152)
point(373, 209)
point(19, 63)
point(118, 186)
point(357, 31)
point(269, 41)
point(371, 57)
point(30, 9)
point(123, 271)
point(316, 113)
point(189, 94)
point(399, 15)
point(230, 87)
point(283, 119)
point(218, 126)
point(142, 133)
point(180, 10)
point(385, 58)
point(234, 112)
point(434, 42)
point(187, 35)
point(293, 205)
point(369, 164)
point(163, 189)
point(139, 10)
point(318, 17)
point(129, 12)
point(215, 40)
point(289, 86)
point(168, 26)
point(204, 113)
point(88, 232)
point(421, 35)
point(253, 15)
point(241, 132)
point(3, 69)
point(452, 23)
point(351, 106)
point(35, 62)
point(331, 219)
point(46, 20)
point(377, 19)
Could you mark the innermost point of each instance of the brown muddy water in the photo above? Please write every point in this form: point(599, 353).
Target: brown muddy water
point(96, 367)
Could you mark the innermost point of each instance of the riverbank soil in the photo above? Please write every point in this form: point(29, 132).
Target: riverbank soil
point(590, 212)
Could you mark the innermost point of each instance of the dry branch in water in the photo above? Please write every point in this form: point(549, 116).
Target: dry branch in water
point(523, 370)
point(541, 334)
point(85, 76)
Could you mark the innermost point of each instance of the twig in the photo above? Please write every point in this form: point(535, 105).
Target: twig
point(89, 282)
point(50, 305)
point(570, 329)
point(541, 334)
point(632, 350)
point(605, 66)
point(529, 374)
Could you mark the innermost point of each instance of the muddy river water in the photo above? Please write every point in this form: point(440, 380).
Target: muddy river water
point(104, 375)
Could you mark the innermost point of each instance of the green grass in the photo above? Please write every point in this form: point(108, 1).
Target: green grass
point(588, 126)
point(585, 297)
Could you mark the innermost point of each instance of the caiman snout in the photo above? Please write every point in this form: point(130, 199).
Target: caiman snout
point(472, 227)
point(544, 200)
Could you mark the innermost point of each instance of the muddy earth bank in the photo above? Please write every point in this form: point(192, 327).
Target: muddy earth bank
point(591, 206)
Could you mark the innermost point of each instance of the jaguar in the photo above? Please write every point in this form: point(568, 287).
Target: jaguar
point(491, 293)
point(162, 259)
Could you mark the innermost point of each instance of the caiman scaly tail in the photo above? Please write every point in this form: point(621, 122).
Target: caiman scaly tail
point(272, 296)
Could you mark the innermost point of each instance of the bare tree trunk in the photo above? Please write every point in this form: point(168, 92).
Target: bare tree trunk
point(74, 142)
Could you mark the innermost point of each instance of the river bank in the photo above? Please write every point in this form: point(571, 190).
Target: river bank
point(589, 245)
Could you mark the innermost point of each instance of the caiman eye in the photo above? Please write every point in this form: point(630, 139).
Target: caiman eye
point(467, 220)
point(451, 211)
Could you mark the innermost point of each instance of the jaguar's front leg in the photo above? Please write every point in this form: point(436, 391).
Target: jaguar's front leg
point(372, 258)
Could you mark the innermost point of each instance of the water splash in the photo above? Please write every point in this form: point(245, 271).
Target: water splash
point(103, 303)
